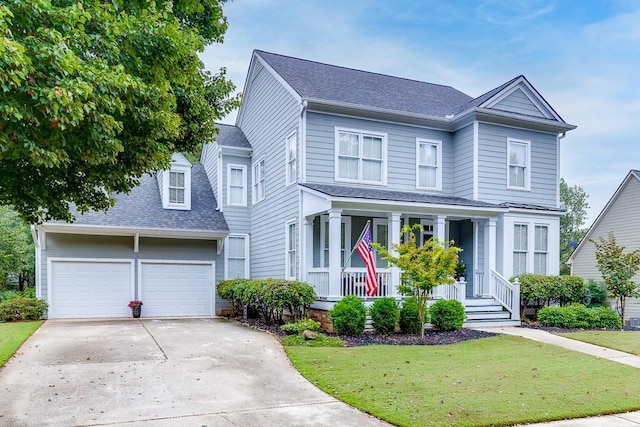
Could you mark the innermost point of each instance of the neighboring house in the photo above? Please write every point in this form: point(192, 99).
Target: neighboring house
point(318, 150)
point(620, 217)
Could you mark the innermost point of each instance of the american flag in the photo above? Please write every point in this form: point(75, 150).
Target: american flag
point(366, 253)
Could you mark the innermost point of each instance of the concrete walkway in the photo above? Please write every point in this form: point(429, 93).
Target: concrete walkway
point(629, 419)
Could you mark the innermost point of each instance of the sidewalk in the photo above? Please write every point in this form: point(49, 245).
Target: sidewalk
point(629, 419)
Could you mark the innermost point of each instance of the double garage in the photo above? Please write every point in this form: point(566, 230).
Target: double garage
point(97, 288)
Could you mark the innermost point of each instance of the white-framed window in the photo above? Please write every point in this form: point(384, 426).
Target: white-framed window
point(292, 160)
point(345, 240)
point(519, 164)
point(380, 235)
point(176, 187)
point(428, 164)
point(520, 248)
point(291, 270)
point(427, 231)
point(236, 185)
point(236, 256)
point(258, 181)
point(541, 249)
point(361, 156)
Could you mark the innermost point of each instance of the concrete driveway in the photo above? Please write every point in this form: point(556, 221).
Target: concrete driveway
point(192, 372)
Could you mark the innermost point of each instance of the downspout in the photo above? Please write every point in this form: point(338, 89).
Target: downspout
point(303, 140)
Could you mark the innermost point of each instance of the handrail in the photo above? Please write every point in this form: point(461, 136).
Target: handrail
point(506, 293)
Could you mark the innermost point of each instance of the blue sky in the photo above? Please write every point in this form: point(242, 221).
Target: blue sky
point(582, 56)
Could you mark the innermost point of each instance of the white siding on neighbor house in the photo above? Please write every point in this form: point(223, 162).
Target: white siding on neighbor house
point(463, 162)
point(623, 221)
point(270, 114)
point(492, 166)
point(518, 102)
point(401, 151)
point(210, 162)
point(238, 217)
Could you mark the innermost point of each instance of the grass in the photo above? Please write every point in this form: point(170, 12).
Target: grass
point(502, 380)
point(321, 341)
point(12, 335)
point(627, 341)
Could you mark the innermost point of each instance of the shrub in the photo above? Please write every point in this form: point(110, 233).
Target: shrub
point(384, 315)
point(349, 316)
point(320, 341)
point(595, 294)
point(299, 326)
point(537, 290)
point(7, 295)
point(409, 318)
point(579, 316)
point(447, 315)
point(21, 308)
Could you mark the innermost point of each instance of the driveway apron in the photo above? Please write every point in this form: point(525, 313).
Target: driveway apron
point(200, 372)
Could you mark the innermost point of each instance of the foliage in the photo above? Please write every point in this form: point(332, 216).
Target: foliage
point(447, 315)
point(384, 315)
point(10, 294)
point(22, 309)
point(617, 269)
point(444, 385)
point(537, 290)
point(423, 267)
point(349, 316)
point(95, 94)
point(574, 201)
point(410, 322)
point(135, 303)
point(595, 294)
point(12, 335)
point(321, 341)
point(300, 326)
point(269, 297)
point(17, 253)
point(579, 316)
point(626, 341)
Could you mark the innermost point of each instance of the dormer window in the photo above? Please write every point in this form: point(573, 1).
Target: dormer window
point(176, 187)
point(175, 184)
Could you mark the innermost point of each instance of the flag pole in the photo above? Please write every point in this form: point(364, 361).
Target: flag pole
point(356, 245)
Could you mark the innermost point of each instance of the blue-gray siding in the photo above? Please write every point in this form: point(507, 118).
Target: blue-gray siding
point(238, 217)
point(463, 162)
point(209, 160)
point(492, 166)
point(518, 102)
point(270, 114)
point(401, 150)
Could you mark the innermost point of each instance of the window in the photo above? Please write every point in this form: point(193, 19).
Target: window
point(236, 257)
point(520, 245)
point(381, 236)
point(540, 249)
point(291, 271)
point(258, 181)
point(427, 231)
point(519, 165)
point(345, 240)
point(360, 157)
point(428, 165)
point(291, 159)
point(237, 185)
point(176, 187)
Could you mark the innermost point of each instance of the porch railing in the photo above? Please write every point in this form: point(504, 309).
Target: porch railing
point(454, 291)
point(352, 282)
point(319, 279)
point(477, 283)
point(506, 293)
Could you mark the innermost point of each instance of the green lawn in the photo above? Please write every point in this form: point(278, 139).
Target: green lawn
point(627, 341)
point(501, 380)
point(12, 335)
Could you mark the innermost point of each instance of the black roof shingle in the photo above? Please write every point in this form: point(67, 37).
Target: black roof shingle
point(231, 136)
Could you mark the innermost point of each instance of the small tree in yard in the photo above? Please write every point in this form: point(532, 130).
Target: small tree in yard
point(423, 267)
point(617, 269)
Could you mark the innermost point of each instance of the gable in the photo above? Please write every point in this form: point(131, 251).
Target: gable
point(518, 102)
point(521, 98)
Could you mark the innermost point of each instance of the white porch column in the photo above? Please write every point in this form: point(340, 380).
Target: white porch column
point(394, 238)
point(307, 245)
point(335, 262)
point(490, 248)
point(439, 227)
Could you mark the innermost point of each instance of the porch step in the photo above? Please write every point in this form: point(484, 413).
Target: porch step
point(488, 315)
point(496, 323)
point(483, 308)
point(480, 302)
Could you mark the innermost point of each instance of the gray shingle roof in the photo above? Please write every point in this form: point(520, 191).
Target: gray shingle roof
point(142, 208)
point(231, 136)
point(636, 172)
point(531, 206)
point(399, 196)
point(314, 80)
point(486, 96)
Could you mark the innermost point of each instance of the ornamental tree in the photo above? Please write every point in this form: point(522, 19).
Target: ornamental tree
point(17, 254)
point(573, 200)
point(95, 94)
point(617, 269)
point(423, 267)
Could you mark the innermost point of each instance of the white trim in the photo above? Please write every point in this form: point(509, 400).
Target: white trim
point(246, 254)
point(529, 92)
point(361, 133)
point(476, 144)
point(527, 166)
point(193, 262)
point(254, 198)
point(277, 76)
point(243, 168)
point(289, 180)
point(558, 171)
point(438, 145)
point(136, 243)
point(104, 230)
point(179, 164)
point(303, 143)
point(324, 227)
point(296, 250)
point(220, 187)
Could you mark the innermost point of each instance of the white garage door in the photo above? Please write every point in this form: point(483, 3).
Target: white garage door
point(80, 289)
point(176, 289)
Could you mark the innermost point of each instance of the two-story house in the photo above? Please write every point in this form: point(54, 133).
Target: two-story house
point(318, 150)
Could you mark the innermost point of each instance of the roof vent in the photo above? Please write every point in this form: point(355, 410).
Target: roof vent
point(449, 116)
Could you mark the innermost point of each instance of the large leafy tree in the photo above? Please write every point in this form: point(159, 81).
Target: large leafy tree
point(617, 268)
point(96, 93)
point(573, 200)
point(17, 255)
point(423, 267)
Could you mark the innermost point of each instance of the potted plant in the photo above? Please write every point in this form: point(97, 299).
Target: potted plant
point(461, 269)
point(136, 307)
